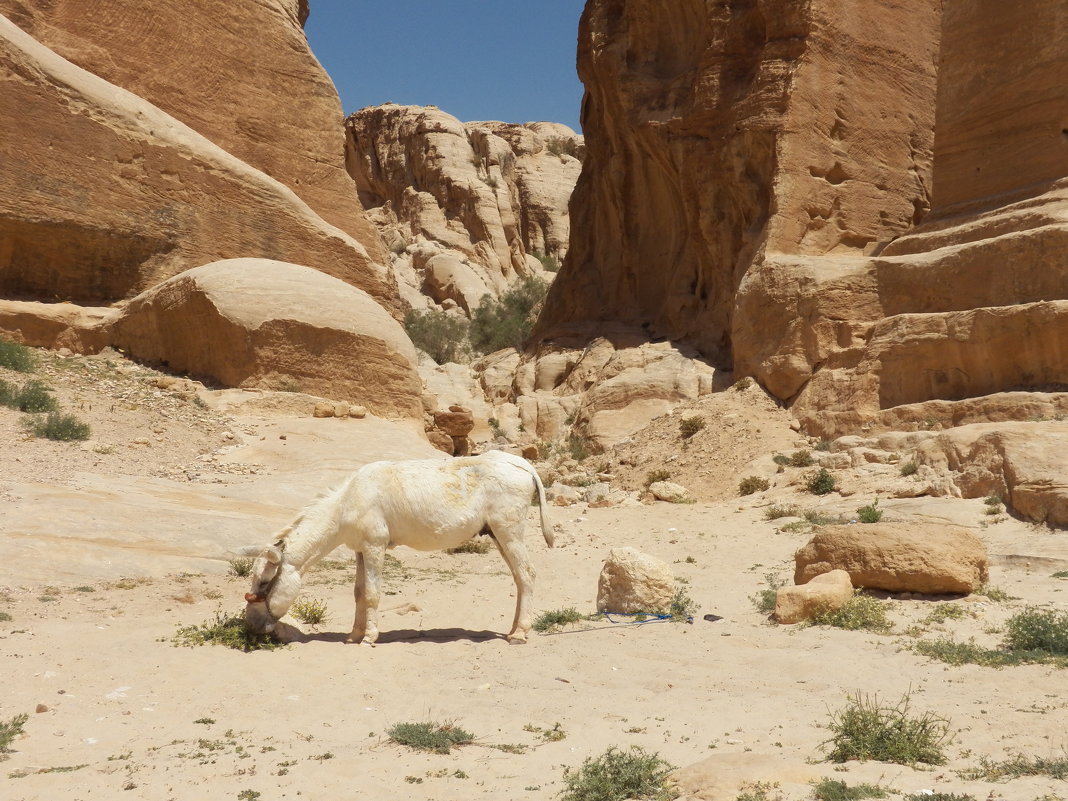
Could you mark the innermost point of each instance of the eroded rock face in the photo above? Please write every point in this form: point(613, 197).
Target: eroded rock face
point(107, 195)
point(274, 325)
point(463, 206)
point(632, 581)
point(932, 558)
point(827, 592)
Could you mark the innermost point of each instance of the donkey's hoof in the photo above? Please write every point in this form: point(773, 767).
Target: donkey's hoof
point(516, 639)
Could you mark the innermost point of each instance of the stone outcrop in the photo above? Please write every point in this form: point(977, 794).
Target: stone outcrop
point(933, 558)
point(238, 73)
point(275, 325)
point(827, 592)
point(632, 582)
point(463, 206)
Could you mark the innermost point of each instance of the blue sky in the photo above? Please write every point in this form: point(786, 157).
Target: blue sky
point(509, 60)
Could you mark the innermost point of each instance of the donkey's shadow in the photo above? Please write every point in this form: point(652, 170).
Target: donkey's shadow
point(410, 636)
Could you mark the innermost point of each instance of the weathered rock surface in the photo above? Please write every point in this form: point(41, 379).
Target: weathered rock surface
point(670, 491)
point(463, 206)
point(898, 557)
point(269, 324)
point(107, 195)
point(826, 592)
point(230, 71)
point(632, 581)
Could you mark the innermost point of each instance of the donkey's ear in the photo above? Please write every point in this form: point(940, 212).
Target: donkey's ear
point(248, 550)
point(273, 554)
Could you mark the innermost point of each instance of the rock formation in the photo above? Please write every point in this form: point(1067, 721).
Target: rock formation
point(465, 207)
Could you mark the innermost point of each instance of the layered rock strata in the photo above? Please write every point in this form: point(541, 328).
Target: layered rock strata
point(466, 208)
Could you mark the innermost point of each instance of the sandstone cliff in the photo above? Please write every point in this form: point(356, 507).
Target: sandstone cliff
point(466, 208)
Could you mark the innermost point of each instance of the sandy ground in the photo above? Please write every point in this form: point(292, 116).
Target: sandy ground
point(107, 548)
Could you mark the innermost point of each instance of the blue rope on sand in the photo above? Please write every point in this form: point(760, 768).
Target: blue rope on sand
point(648, 619)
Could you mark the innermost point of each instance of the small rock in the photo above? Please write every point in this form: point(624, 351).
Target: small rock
point(41, 708)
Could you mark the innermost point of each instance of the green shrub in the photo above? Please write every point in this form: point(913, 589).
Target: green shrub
point(818, 518)
point(909, 469)
point(580, 447)
point(1038, 630)
point(506, 322)
point(870, 513)
point(764, 600)
point(834, 790)
point(548, 261)
point(229, 631)
point(751, 484)
point(12, 729)
point(861, 612)
point(691, 425)
point(57, 426)
point(823, 445)
point(241, 566)
point(821, 483)
point(310, 611)
point(866, 729)
point(562, 145)
point(8, 393)
point(801, 458)
point(547, 621)
point(617, 775)
point(683, 607)
point(1018, 766)
point(438, 738)
point(441, 335)
point(35, 396)
point(16, 357)
point(775, 511)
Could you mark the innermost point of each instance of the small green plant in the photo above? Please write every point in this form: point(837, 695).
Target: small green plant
point(824, 446)
point(821, 482)
point(993, 500)
point(861, 612)
point(764, 600)
point(683, 607)
point(654, 476)
point(553, 735)
point(775, 511)
point(561, 146)
point(581, 448)
point(1018, 766)
point(17, 357)
point(742, 384)
point(995, 594)
point(909, 468)
point(549, 262)
point(548, 621)
point(818, 518)
point(1059, 574)
point(801, 458)
point(865, 729)
point(441, 335)
point(58, 426)
point(691, 425)
point(1037, 630)
point(4, 617)
point(310, 611)
point(229, 631)
point(205, 721)
point(752, 484)
point(241, 566)
point(870, 513)
point(618, 775)
point(506, 322)
point(944, 612)
point(10, 730)
point(477, 545)
point(834, 790)
point(33, 396)
point(248, 795)
point(759, 791)
point(439, 738)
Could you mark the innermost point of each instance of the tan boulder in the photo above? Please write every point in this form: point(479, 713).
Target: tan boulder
point(632, 581)
point(670, 492)
point(442, 441)
point(262, 323)
point(137, 195)
point(458, 423)
point(826, 592)
point(897, 557)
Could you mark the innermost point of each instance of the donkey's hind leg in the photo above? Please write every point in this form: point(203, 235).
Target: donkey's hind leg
point(515, 554)
point(359, 625)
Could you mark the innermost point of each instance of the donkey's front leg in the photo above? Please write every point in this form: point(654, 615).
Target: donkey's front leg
point(359, 625)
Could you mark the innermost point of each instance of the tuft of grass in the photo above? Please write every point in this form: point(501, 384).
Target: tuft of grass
point(1059, 574)
point(241, 566)
point(759, 791)
point(775, 511)
point(618, 775)
point(953, 652)
point(834, 790)
point(944, 612)
point(58, 426)
point(764, 600)
point(870, 513)
point(751, 484)
point(654, 476)
point(909, 468)
point(554, 619)
point(863, 612)
point(17, 357)
point(865, 729)
point(1018, 766)
point(690, 426)
point(821, 482)
point(553, 735)
point(229, 631)
point(12, 729)
point(818, 518)
point(479, 545)
point(438, 738)
point(310, 611)
point(995, 594)
point(4, 617)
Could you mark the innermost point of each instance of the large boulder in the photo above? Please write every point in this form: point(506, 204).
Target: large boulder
point(262, 323)
point(632, 581)
point(930, 558)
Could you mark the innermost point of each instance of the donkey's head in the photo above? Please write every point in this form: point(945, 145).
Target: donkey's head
point(275, 586)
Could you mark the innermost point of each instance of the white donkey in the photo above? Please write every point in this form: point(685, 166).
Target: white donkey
point(426, 504)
